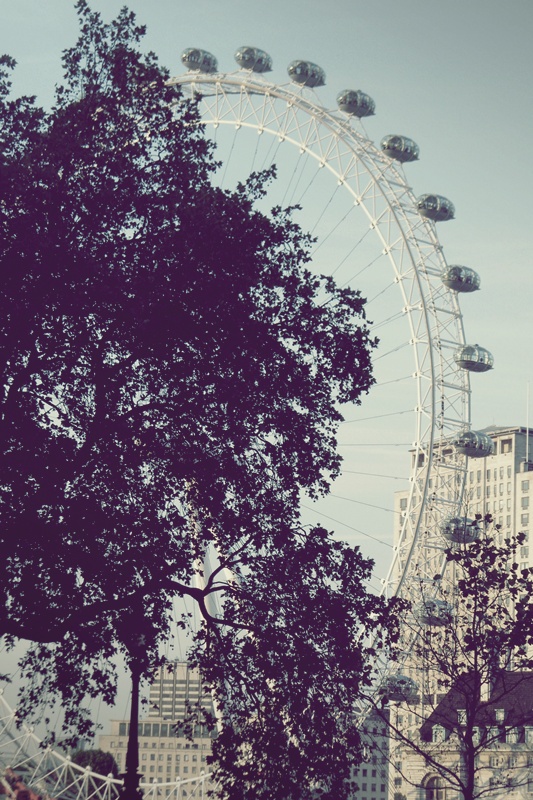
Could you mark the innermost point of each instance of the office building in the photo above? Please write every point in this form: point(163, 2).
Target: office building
point(499, 484)
point(166, 752)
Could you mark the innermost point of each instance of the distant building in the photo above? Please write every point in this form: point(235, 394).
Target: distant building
point(505, 763)
point(166, 754)
point(370, 781)
point(500, 484)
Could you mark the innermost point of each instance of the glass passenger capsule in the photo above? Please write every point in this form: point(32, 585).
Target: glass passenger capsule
point(461, 530)
point(356, 103)
point(199, 60)
point(253, 58)
point(473, 444)
point(460, 279)
point(435, 207)
point(399, 688)
point(434, 612)
point(473, 358)
point(306, 73)
point(400, 148)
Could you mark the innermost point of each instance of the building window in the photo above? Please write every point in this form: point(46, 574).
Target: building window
point(525, 486)
point(435, 789)
point(494, 734)
point(488, 474)
point(524, 519)
point(506, 445)
point(488, 491)
point(524, 502)
point(512, 736)
point(438, 733)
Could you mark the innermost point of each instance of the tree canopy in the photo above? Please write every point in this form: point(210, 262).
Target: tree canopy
point(171, 378)
point(97, 760)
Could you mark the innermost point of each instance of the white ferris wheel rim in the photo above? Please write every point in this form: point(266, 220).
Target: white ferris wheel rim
point(410, 242)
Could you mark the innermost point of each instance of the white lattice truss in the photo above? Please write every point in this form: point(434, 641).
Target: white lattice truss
point(46, 773)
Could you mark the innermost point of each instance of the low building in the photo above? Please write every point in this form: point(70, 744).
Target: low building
point(501, 731)
point(166, 752)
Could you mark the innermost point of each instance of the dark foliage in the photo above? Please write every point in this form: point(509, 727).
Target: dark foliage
point(171, 374)
point(97, 761)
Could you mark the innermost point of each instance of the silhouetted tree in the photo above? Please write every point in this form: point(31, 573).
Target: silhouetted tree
point(98, 761)
point(171, 378)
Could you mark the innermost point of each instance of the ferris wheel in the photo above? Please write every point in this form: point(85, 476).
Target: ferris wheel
point(373, 233)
